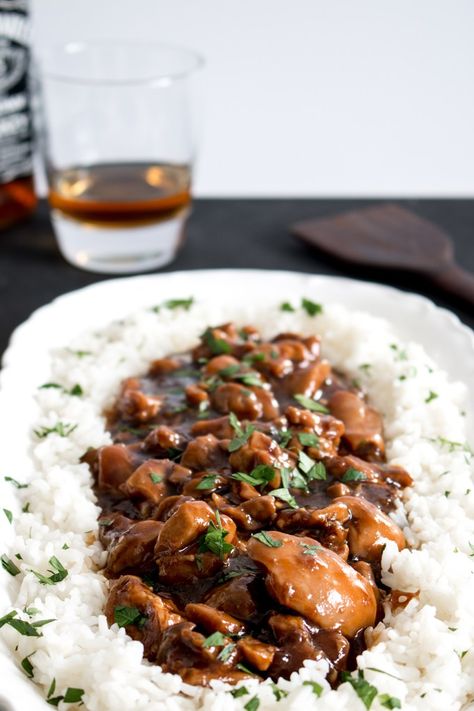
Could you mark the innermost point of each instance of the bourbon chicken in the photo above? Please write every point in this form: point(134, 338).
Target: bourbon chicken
point(245, 507)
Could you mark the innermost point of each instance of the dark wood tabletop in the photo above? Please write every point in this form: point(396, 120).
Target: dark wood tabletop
point(223, 233)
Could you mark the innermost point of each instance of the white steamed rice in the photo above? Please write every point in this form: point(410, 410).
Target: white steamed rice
point(422, 655)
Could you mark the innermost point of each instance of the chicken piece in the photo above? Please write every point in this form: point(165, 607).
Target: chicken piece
point(194, 486)
point(259, 654)
point(307, 381)
point(191, 521)
point(156, 613)
point(363, 425)
point(170, 505)
point(115, 464)
point(261, 449)
point(148, 481)
point(133, 549)
point(160, 440)
point(239, 399)
point(254, 514)
point(215, 365)
point(234, 597)
point(164, 366)
point(112, 526)
point(135, 405)
point(298, 642)
point(328, 430)
point(315, 583)
point(370, 471)
point(220, 427)
point(329, 524)
point(205, 452)
point(212, 620)
point(196, 396)
point(366, 570)
point(369, 528)
point(183, 652)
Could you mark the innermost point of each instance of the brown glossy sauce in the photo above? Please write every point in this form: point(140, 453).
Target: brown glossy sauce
point(215, 575)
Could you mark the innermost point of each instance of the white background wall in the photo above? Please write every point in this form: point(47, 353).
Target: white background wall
point(313, 97)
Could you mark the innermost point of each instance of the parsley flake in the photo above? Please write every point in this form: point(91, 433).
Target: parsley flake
point(284, 495)
point(156, 478)
point(311, 307)
point(316, 688)
point(286, 306)
point(63, 429)
point(309, 404)
point(217, 346)
point(308, 439)
point(284, 437)
point(237, 693)
point(214, 539)
point(278, 693)
point(310, 550)
point(124, 616)
point(207, 482)
point(432, 396)
point(389, 702)
point(266, 539)
point(217, 639)
point(241, 436)
point(57, 573)
point(352, 474)
point(15, 482)
point(365, 691)
point(261, 475)
point(8, 514)
point(27, 666)
point(253, 704)
point(9, 565)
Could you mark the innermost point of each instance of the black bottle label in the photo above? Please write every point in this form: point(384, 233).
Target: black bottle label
point(15, 113)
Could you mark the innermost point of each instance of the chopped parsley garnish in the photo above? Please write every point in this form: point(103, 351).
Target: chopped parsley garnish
point(71, 696)
point(389, 702)
point(311, 469)
point(217, 346)
point(310, 550)
point(309, 404)
point(253, 358)
point(316, 688)
point(26, 507)
point(79, 354)
point(225, 653)
point(27, 666)
point(253, 704)
point(286, 306)
point(214, 539)
point(233, 372)
point(451, 445)
point(365, 367)
point(266, 539)
point(365, 691)
point(15, 482)
point(241, 436)
point(57, 573)
point(50, 385)
point(278, 693)
point(8, 514)
point(124, 615)
point(9, 565)
point(311, 307)
point(217, 639)
point(76, 390)
point(237, 693)
point(261, 475)
point(399, 353)
point(308, 439)
point(432, 396)
point(156, 478)
point(230, 371)
point(174, 304)
point(352, 474)
point(24, 628)
point(284, 437)
point(242, 667)
point(62, 429)
point(207, 482)
point(284, 495)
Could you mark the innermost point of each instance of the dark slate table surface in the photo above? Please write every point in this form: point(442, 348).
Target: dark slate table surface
point(224, 233)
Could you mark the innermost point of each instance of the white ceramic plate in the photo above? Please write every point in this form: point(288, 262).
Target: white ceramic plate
point(26, 363)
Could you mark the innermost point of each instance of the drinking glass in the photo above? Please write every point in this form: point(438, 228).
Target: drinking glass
point(118, 137)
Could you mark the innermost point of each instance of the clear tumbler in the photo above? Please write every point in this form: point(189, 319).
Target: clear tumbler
point(118, 137)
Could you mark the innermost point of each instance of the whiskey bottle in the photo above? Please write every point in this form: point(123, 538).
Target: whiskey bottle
point(17, 196)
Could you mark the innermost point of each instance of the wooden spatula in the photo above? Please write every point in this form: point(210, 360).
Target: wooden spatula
point(392, 237)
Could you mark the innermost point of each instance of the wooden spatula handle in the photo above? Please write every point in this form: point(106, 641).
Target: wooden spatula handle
point(457, 281)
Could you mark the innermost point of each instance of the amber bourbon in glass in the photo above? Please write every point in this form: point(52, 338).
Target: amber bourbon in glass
point(119, 147)
point(17, 196)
